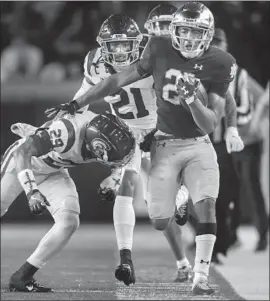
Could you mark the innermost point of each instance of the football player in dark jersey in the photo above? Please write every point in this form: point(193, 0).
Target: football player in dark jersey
point(157, 24)
point(37, 163)
point(180, 67)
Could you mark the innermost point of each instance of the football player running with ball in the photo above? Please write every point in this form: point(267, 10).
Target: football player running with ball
point(180, 66)
point(37, 163)
point(157, 24)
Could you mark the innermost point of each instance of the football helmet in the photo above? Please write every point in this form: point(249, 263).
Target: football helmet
point(192, 29)
point(159, 20)
point(109, 140)
point(119, 38)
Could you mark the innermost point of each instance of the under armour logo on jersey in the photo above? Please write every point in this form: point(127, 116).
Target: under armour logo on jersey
point(184, 90)
point(202, 261)
point(198, 66)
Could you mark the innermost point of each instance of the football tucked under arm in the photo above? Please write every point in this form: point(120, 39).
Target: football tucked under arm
point(207, 118)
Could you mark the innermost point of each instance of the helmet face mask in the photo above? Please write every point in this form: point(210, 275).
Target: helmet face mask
point(192, 29)
point(160, 27)
point(119, 39)
point(159, 19)
point(120, 52)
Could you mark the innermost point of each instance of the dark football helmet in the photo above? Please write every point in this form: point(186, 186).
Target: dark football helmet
point(192, 29)
point(109, 140)
point(119, 38)
point(159, 20)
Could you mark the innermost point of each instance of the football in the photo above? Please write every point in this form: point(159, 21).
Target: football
point(201, 94)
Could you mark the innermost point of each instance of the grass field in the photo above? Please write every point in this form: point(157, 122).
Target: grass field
point(85, 268)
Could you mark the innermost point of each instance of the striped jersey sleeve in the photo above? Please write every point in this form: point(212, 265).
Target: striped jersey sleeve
point(58, 136)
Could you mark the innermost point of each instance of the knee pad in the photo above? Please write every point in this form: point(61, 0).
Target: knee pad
point(67, 219)
point(160, 224)
point(206, 228)
point(206, 210)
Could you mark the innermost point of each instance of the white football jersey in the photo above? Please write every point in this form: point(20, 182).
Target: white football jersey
point(135, 103)
point(67, 137)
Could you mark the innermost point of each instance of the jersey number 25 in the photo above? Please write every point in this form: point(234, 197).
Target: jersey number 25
point(169, 92)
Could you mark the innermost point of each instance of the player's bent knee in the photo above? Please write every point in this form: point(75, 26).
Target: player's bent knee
point(128, 184)
point(160, 224)
point(67, 220)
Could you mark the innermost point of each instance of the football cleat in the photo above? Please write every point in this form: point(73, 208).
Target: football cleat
point(181, 215)
point(184, 274)
point(202, 288)
point(125, 272)
point(16, 284)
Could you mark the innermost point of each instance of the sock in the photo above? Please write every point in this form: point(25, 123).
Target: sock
point(204, 249)
point(27, 270)
point(125, 256)
point(124, 221)
point(182, 263)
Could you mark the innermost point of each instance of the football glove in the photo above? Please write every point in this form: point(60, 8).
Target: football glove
point(60, 110)
point(147, 141)
point(234, 143)
point(109, 187)
point(107, 194)
point(37, 202)
point(187, 86)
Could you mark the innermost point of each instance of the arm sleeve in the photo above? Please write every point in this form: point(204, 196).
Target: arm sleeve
point(59, 136)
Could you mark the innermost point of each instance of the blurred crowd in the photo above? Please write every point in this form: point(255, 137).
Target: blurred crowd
point(48, 40)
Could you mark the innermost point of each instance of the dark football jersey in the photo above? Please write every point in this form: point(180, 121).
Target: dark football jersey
point(215, 68)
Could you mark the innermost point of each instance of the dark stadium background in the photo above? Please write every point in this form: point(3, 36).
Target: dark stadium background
point(246, 25)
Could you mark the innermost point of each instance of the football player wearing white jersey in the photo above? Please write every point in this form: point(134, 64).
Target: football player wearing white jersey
point(37, 163)
point(136, 105)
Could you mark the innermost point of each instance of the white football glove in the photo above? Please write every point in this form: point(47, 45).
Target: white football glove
point(109, 187)
point(234, 143)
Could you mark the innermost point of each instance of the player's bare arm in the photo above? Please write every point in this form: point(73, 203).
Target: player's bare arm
point(105, 88)
point(22, 155)
point(208, 118)
point(230, 110)
point(109, 86)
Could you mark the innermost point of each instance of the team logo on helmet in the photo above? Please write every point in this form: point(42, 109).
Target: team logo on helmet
point(101, 148)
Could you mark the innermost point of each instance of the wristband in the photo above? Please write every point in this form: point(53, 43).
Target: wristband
point(190, 100)
point(232, 130)
point(27, 181)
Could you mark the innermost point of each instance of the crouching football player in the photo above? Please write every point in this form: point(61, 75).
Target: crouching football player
point(37, 163)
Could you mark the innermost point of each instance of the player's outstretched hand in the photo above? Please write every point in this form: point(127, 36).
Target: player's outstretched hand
point(60, 110)
point(37, 202)
point(187, 86)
